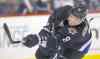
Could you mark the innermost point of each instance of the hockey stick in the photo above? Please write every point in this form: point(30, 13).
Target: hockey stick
point(5, 26)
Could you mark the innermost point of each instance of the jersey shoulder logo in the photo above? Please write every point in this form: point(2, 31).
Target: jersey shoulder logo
point(68, 38)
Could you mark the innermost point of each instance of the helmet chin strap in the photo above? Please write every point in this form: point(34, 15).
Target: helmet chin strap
point(73, 26)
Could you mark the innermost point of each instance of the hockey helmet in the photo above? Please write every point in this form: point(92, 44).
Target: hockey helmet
point(79, 11)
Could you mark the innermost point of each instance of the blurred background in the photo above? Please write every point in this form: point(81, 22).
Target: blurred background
point(35, 7)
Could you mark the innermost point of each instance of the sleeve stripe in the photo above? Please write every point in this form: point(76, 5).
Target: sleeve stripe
point(85, 45)
point(39, 39)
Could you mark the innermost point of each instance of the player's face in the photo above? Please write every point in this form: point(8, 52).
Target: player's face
point(73, 20)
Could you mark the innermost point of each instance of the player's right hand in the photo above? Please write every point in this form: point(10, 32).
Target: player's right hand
point(30, 40)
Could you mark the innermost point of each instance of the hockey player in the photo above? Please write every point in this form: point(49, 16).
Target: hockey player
point(66, 35)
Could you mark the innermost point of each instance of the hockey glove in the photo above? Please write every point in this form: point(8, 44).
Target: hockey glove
point(30, 40)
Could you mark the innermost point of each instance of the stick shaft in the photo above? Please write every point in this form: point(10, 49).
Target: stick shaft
point(9, 34)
